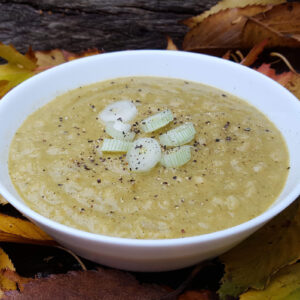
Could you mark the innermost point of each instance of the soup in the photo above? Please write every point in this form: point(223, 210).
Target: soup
point(238, 166)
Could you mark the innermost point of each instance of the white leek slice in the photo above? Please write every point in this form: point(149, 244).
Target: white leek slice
point(157, 121)
point(113, 145)
point(176, 157)
point(120, 131)
point(123, 110)
point(144, 154)
point(178, 136)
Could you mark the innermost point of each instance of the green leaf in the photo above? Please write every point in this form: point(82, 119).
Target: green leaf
point(285, 285)
point(251, 263)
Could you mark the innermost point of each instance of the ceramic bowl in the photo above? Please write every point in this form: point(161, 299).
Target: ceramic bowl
point(152, 255)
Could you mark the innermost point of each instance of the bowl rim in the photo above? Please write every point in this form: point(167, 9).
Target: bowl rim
point(169, 242)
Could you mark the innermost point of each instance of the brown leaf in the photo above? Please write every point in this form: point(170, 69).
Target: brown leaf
point(197, 295)
point(294, 85)
point(71, 56)
point(6, 264)
point(240, 28)
point(94, 284)
point(221, 31)
point(17, 230)
point(225, 4)
point(280, 25)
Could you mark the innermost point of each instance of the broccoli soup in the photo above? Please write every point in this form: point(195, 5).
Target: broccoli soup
point(148, 158)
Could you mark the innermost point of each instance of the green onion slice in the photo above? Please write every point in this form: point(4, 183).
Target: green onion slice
point(157, 121)
point(176, 157)
point(113, 145)
point(123, 110)
point(120, 131)
point(144, 154)
point(178, 136)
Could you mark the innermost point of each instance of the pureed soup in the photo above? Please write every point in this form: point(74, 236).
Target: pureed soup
point(230, 166)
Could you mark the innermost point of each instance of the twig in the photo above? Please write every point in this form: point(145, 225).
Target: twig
point(239, 54)
point(74, 255)
point(186, 282)
point(234, 57)
point(284, 59)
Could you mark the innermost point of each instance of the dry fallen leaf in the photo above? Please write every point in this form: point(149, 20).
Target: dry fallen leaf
point(280, 25)
point(94, 284)
point(21, 67)
point(251, 263)
point(17, 230)
point(14, 57)
point(170, 44)
point(197, 295)
point(283, 78)
point(221, 31)
point(225, 4)
point(5, 263)
point(239, 28)
point(285, 285)
point(3, 201)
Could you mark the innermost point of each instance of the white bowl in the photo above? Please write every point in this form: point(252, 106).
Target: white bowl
point(152, 255)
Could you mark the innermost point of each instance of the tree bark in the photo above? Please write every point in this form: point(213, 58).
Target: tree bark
point(105, 24)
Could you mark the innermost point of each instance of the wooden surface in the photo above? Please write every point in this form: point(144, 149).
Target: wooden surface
point(106, 24)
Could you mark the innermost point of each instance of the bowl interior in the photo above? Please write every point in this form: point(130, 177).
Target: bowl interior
point(277, 103)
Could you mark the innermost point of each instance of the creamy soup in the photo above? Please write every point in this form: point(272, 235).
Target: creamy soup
point(239, 162)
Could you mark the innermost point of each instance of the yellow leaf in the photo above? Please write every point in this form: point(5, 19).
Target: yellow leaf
point(251, 263)
point(17, 230)
point(14, 57)
point(48, 59)
point(3, 201)
point(171, 45)
point(224, 4)
point(5, 263)
point(285, 285)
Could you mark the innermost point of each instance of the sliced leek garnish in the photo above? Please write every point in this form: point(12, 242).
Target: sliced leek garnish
point(144, 154)
point(176, 157)
point(120, 131)
point(123, 110)
point(114, 145)
point(157, 121)
point(179, 136)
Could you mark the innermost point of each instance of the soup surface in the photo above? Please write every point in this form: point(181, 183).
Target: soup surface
point(238, 167)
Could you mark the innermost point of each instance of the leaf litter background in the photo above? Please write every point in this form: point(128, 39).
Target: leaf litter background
point(259, 34)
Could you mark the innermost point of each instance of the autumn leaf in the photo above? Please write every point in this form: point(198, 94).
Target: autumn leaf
point(283, 78)
point(102, 283)
point(251, 263)
point(239, 28)
point(21, 67)
point(5, 263)
point(280, 25)
point(17, 230)
point(221, 31)
point(3, 201)
point(294, 85)
point(197, 295)
point(14, 57)
point(225, 4)
point(285, 285)
point(170, 44)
